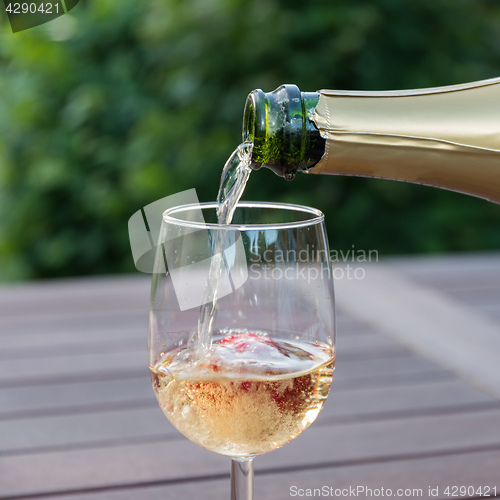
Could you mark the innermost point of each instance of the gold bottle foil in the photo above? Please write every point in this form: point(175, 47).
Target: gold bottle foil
point(447, 137)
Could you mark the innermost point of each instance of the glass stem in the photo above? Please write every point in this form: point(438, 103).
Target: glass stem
point(242, 479)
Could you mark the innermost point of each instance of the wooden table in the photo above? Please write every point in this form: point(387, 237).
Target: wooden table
point(78, 418)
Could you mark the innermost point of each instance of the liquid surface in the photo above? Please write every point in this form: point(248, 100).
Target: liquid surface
point(249, 395)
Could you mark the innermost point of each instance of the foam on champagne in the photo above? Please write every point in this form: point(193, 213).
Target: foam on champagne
point(242, 354)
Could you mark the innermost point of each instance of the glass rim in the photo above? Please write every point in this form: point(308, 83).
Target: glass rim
point(317, 216)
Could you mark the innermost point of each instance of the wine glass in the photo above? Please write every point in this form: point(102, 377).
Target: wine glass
point(263, 374)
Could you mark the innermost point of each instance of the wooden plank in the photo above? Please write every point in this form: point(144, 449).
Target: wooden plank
point(88, 429)
point(75, 355)
point(79, 367)
point(474, 469)
point(73, 398)
point(89, 397)
point(427, 321)
point(50, 341)
point(412, 400)
point(361, 442)
point(367, 343)
point(64, 349)
point(12, 372)
point(494, 312)
point(75, 323)
point(75, 327)
point(372, 372)
point(55, 299)
point(471, 270)
point(41, 302)
point(78, 323)
point(75, 295)
point(348, 325)
point(141, 418)
point(472, 280)
point(477, 296)
point(486, 300)
point(65, 395)
point(47, 341)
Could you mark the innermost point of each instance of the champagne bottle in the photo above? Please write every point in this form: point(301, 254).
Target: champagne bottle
point(447, 137)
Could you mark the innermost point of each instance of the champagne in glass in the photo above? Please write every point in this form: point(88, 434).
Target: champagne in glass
point(238, 410)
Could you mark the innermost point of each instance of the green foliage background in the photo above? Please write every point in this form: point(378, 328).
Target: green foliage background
point(146, 99)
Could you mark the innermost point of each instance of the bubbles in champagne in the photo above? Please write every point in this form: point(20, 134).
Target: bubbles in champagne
point(250, 395)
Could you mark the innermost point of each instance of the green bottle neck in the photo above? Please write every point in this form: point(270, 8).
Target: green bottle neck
point(284, 138)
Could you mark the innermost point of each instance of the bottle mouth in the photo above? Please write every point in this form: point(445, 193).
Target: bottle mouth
point(274, 123)
point(255, 109)
point(278, 126)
